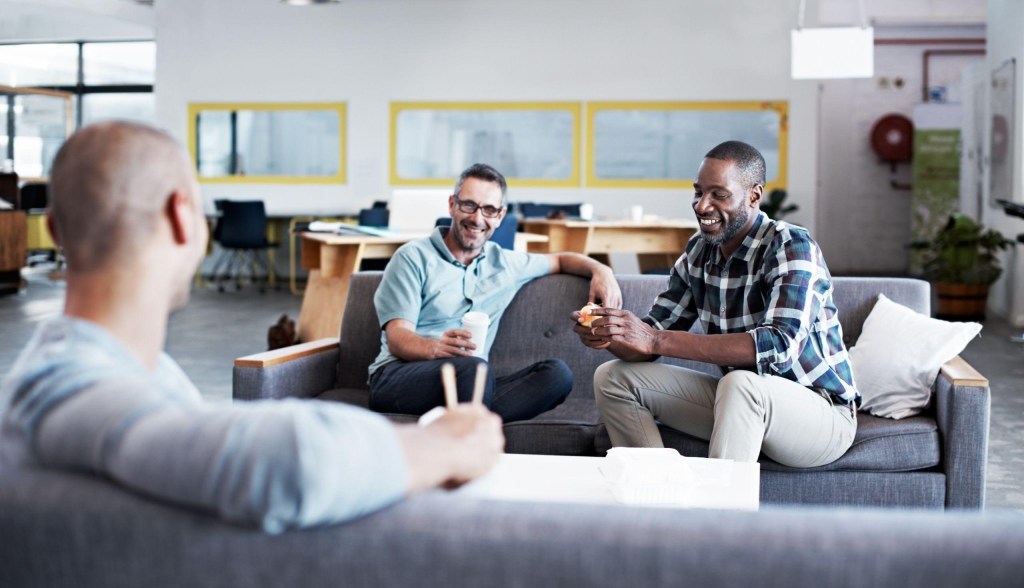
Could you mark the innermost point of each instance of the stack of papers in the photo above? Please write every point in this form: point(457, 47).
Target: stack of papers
point(642, 476)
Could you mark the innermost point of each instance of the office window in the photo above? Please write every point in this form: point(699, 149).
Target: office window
point(661, 144)
point(108, 80)
point(118, 63)
point(134, 107)
point(42, 64)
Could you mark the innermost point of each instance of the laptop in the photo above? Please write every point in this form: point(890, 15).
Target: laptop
point(416, 210)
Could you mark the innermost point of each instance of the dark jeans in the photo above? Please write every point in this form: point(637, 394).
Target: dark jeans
point(414, 387)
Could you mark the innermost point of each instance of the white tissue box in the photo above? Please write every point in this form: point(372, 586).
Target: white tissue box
point(644, 476)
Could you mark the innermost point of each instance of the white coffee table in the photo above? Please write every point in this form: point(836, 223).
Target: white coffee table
point(554, 478)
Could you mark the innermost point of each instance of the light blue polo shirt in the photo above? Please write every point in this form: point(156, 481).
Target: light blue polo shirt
point(425, 285)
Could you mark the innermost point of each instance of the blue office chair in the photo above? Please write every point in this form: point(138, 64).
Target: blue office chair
point(504, 235)
point(242, 233)
point(533, 210)
point(374, 217)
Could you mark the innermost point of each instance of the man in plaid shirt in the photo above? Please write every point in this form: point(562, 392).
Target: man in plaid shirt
point(763, 295)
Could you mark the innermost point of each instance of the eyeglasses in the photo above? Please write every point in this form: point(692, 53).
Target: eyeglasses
point(470, 207)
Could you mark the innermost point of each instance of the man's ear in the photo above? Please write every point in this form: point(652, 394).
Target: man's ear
point(451, 206)
point(51, 225)
point(756, 191)
point(179, 212)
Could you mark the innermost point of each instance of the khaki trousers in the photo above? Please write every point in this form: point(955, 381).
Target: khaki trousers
point(742, 413)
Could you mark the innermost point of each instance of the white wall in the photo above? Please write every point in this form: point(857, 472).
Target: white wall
point(371, 52)
point(1005, 41)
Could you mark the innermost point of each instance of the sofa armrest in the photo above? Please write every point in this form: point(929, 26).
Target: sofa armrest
point(963, 404)
point(299, 371)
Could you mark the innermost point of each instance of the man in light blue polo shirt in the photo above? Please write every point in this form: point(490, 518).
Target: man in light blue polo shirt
point(431, 283)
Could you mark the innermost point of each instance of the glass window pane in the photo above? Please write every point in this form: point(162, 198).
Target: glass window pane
point(40, 126)
point(135, 107)
point(119, 63)
point(39, 64)
point(213, 135)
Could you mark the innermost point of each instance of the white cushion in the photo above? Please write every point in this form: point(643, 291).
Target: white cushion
point(898, 356)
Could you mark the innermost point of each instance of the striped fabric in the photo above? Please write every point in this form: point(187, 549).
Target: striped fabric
point(775, 287)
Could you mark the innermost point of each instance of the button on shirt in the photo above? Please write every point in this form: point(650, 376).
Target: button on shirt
point(425, 285)
point(776, 287)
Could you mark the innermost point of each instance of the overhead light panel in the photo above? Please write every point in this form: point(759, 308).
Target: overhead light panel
point(833, 52)
point(310, 2)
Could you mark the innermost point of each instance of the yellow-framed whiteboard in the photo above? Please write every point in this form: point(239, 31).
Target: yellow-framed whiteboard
point(268, 142)
point(531, 143)
point(661, 144)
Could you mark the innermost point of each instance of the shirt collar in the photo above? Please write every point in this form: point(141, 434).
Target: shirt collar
point(437, 240)
point(752, 241)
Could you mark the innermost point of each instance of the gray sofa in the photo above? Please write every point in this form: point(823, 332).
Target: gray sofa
point(63, 529)
point(934, 460)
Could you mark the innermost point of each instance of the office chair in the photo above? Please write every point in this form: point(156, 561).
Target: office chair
point(374, 217)
point(242, 232)
point(533, 210)
point(34, 196)
point(504, 236)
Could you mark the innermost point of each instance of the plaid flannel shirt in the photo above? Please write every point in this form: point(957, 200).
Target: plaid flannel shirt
point(776, 287)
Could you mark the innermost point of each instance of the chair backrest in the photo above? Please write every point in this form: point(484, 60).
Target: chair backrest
point(504, 236)
point(533, 210)
point(243, 224)
point(34, 195)
point(374, 217)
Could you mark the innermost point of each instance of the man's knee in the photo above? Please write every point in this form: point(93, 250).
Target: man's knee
point(608, 379)
point(558, 376)
point(739, 384)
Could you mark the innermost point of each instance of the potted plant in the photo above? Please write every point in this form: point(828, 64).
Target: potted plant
point(961, 263)
point(774, 205)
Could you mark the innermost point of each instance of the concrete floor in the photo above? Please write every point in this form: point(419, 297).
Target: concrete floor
point(215, 328)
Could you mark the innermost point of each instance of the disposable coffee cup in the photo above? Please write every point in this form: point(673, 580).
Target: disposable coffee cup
point(586, 211)
point(636, 213)
point(476, 323)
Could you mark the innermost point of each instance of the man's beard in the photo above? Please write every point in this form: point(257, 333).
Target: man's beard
point(732, 229)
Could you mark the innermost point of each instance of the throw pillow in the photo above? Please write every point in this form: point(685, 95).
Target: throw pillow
point(898, 356)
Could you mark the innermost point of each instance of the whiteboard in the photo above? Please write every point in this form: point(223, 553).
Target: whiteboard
point(662, 144)
point(529, 143)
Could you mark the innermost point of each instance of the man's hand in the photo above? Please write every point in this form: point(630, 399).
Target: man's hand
point(604, 288)
point(586, 336)
point(621, 327)
point(453, 343)
point(461, 445)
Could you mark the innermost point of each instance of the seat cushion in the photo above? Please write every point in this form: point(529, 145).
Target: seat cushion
point(881, 445)
point(567, 429)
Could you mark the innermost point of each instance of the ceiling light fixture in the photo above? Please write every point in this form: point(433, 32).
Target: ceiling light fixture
point(310, 2)
point(834, 52)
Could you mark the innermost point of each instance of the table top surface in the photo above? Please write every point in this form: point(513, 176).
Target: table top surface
point(334, 239)
point(554, 478)
point(655, 223)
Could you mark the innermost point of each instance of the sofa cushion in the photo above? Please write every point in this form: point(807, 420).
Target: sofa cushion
point(567, 429)
point(899, 354)
point(881, 445)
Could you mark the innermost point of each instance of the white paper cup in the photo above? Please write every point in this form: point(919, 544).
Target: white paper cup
point(636, 213)
point(586, 211)
point(477, 323)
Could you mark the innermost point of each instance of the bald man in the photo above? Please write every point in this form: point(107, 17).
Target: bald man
point(94, 391)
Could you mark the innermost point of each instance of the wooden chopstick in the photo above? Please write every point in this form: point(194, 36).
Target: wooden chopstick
point(481, 383)
point(451, 398)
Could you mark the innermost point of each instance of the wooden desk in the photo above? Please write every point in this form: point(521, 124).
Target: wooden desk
point(332, 259)
point(12, 249)
point(657, 243)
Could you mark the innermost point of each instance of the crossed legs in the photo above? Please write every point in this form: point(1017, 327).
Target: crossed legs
point(741, 414)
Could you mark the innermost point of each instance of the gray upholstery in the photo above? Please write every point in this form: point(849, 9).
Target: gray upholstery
point(933, 460)
point(62, 529)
